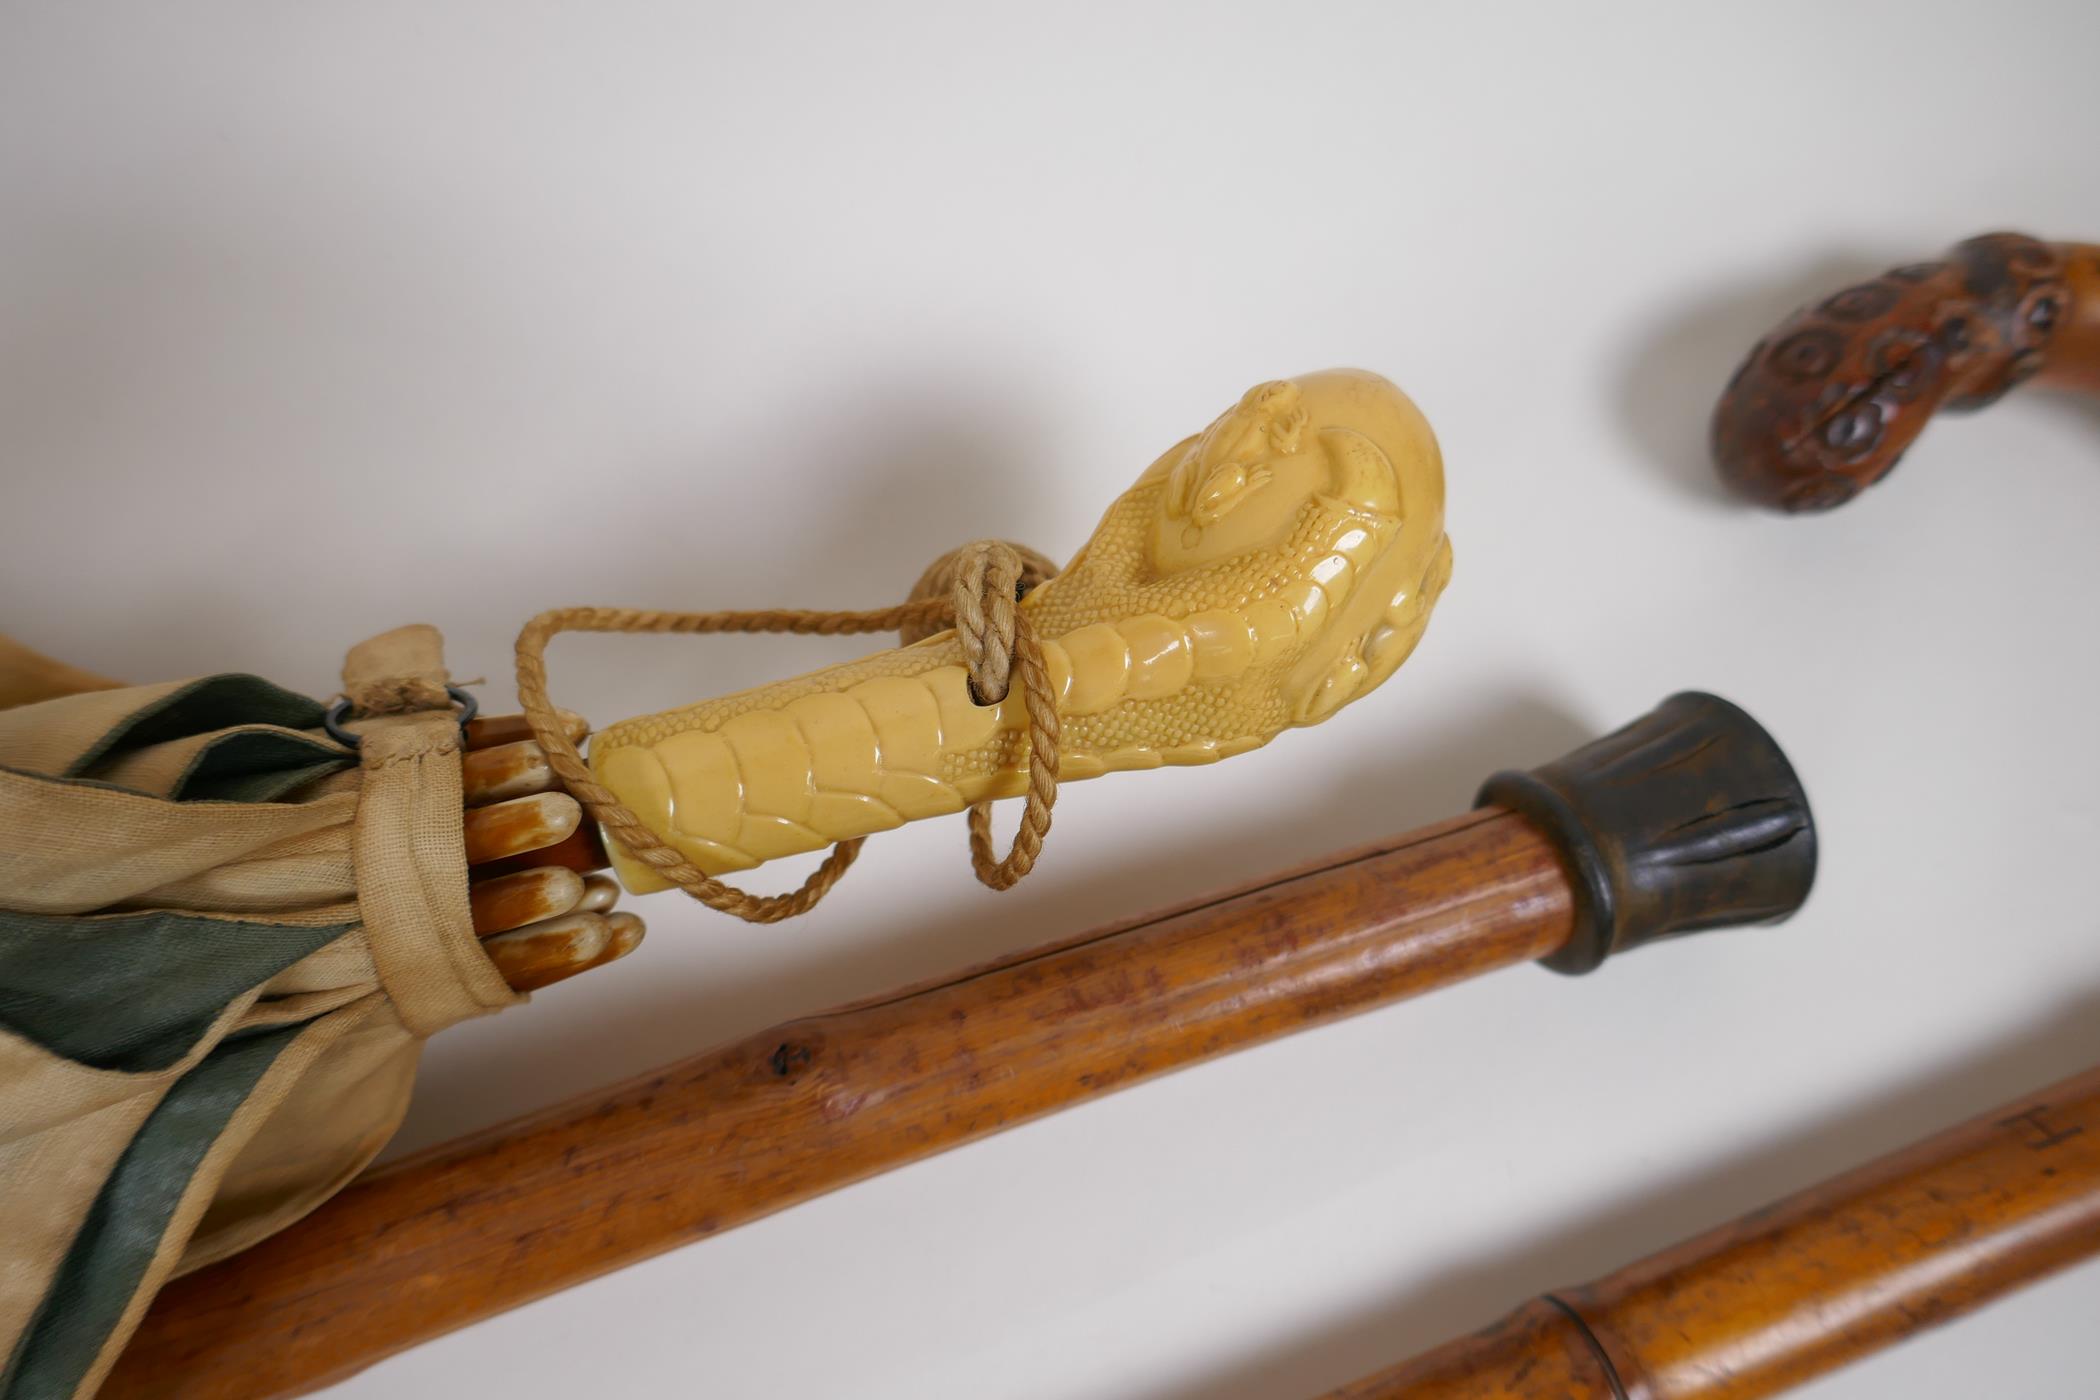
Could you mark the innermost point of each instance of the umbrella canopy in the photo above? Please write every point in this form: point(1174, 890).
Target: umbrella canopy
point(223, 938)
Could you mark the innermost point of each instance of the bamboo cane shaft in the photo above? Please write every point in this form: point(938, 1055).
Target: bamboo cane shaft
point(496, 1220)
point(1825, 1277)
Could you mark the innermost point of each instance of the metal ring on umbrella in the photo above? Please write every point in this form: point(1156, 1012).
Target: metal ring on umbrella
point(332, 721)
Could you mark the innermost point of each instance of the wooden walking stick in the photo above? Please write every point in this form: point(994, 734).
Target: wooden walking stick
point(1690, 818)
point(1824, 406)
point(1827, 403)
point(1825, 1277)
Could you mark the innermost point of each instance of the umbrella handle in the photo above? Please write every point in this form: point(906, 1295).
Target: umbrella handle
point(1829, 401)
point(542, 913)
point(1258, 575)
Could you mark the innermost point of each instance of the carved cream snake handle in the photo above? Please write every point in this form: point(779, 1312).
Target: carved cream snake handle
point(1259, 575)
point(1828, 403)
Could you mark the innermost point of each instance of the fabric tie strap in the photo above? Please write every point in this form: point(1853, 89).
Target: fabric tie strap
point(408, 844)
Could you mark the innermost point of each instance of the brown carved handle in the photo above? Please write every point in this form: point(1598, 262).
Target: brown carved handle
point(1828, 403)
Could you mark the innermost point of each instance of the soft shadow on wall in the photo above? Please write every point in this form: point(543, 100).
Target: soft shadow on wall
point(915, 468)
point(1684, 354)
point(1683, 357)
point(1421, 1316)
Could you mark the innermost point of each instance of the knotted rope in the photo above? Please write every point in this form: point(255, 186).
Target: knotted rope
point(975, 590)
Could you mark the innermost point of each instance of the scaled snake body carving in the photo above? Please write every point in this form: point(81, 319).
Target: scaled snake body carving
point(1259, 575)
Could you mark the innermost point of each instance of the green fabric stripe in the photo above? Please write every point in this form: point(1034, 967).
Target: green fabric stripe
point(264, 787)
point(123, 1230)
point(216, 702)
point(135, 992)
point(257, 765)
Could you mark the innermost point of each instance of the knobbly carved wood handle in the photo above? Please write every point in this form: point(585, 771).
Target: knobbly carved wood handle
point(1828, 403)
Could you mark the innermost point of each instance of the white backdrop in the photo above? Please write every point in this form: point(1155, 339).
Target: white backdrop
point(316, 320)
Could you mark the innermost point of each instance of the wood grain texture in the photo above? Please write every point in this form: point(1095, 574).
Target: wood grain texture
point(2074, 360)
point(1828, 403)
point(1843, 1269)
point(1538, 1351)
point(1800, 1288)
point(512, 1214)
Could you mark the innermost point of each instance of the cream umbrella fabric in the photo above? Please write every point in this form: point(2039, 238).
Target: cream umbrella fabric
point(223, 940)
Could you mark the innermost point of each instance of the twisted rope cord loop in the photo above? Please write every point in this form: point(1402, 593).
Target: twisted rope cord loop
point(941, 577)
point(975, 589)
point(1044, 733)
point(986, 581)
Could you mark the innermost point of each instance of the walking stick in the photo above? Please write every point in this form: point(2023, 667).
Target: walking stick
point(1822, 407)
point(1827, 403)
point(1689, 818)
point(1825, 1277)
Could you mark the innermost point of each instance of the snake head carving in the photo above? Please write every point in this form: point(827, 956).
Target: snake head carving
point(1314, 509)
point(1259, 575)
